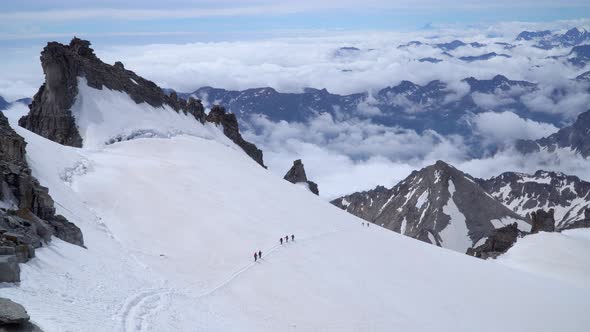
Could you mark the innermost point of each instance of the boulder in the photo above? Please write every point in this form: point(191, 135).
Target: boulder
point(12, 312)
point(14, 318)
point(9, 269)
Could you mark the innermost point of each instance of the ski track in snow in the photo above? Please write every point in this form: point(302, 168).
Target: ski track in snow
point(137, 309)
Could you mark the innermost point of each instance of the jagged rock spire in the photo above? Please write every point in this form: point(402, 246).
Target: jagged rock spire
point(297, 175)
point(50, 114)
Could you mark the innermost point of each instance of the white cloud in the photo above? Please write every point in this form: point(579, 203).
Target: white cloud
point(506, 127)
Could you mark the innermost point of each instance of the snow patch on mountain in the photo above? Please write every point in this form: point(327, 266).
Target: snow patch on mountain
point(106, 116)
point(455, 235)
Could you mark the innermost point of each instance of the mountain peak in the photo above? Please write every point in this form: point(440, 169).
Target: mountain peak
point(74, 69)
point(438, 204)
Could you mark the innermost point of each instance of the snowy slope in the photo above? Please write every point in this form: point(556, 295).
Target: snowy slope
point(171, 225)
point(562, 256)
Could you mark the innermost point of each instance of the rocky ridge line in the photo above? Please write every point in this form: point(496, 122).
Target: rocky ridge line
point(50, 114)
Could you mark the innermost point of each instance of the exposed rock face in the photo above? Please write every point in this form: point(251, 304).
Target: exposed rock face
point(297, 175)
point(27, 212)
point(438, 204)
point(575, 137)
point(50, 111)
point(543, 221)
point(497, 243)
point(14, 318)
point(568, 195)
point(9, 269)
point(229, 122)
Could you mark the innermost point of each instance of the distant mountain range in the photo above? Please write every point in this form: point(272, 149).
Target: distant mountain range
point(574, 138)
point(547, 40)
point(432, 106)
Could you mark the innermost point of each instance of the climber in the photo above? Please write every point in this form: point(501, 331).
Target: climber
point(292, 237)
point(281, 240)
point(255, 256)
point(287, 238)
point(260, 254)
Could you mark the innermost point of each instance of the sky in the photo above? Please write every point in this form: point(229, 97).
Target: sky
point(25, 22)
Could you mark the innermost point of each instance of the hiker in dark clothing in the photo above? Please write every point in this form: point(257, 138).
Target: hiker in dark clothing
point(281, 240)
point(292, 237)
point(255, 256)
point(287, 238)
point(260, 254)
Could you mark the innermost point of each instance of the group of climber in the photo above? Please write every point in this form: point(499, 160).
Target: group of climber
point(287, 239)
point(367, 224)
point(258, 254)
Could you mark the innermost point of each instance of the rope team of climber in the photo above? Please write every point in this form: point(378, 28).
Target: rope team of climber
point(258, 254)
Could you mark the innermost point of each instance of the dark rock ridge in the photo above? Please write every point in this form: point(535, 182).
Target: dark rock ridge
point(567, 195)
point(429, 59)
point(229, 122)
point(575, 137)
point(483, 57)
point(585, 77)
point(3, 103)
point(497, 243)
point(530, 35)
point(447, 46)
point(27, 212)
point(50, 114)
point(437, 205)
point(579, 56)
point(297, 175)
point(547, 40)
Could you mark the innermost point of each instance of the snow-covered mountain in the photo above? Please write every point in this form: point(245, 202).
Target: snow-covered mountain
point(171, 222)
point(71, 108)
point(567, 195)
point(547, 40)
point(438, 204)
point(574, 138)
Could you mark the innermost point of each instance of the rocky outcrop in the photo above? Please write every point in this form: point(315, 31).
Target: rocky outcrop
point(9, 269)
point(50, 111)
point(229, 122)
point(297, 175)
point(497, 243)
point(543, 221)
point(574, 137)
point(14, 317)
point(27, 212)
